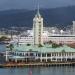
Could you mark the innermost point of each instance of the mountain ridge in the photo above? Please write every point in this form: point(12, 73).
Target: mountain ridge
point(61, 17)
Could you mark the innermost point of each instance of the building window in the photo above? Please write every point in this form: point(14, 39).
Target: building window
point(43, 54)
point(39, 54)
point(49, 55)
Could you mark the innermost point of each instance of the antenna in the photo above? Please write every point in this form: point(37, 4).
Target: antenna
point(38, 9)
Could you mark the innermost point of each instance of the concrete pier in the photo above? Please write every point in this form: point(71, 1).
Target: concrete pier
point(37, 64)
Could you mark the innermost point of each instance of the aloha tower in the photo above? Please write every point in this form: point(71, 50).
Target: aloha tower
point(38, 28)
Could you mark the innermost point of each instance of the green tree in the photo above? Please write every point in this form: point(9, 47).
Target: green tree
point(63, 51)
point(40, 45)
point(28, 44)
point(54, 45)
point(50, 42)
point(11, 47)
point(4, 38)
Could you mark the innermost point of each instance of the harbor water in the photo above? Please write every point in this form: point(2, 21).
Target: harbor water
point(2, 47)
point(61, 70)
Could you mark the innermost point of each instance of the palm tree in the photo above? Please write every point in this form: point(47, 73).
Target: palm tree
point(11, 47)
point(63, 51)
point(40, 45)
point(50, 42)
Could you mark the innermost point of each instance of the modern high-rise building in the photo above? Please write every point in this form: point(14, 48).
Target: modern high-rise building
point(38, 29)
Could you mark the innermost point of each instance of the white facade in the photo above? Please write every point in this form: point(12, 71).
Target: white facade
point(65, 39)
point(69, 39)
point(40, 57)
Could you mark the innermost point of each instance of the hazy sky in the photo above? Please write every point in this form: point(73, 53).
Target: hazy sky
point(31, 4)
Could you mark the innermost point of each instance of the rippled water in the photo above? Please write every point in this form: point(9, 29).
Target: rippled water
point(2, 48)
point(66, 70)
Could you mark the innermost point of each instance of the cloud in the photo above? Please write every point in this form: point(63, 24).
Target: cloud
point(31, 4)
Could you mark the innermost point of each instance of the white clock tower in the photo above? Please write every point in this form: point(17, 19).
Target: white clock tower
point(38, 29)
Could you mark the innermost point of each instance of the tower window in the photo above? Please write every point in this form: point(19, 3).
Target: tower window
point(39, 22)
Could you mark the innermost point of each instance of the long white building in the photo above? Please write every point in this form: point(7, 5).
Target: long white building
point(57, 38)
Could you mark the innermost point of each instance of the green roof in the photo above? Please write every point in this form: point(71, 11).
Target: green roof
point(44, 49)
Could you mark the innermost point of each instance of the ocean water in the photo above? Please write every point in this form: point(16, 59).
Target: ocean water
point(2, 48)
point(62, 70)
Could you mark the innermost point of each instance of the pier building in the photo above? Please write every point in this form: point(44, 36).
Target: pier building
point(37, 54)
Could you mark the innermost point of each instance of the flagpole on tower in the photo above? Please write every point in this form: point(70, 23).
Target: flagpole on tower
point(38, 8)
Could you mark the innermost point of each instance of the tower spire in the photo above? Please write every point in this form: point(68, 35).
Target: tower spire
point(38, 12)
point(38, 28)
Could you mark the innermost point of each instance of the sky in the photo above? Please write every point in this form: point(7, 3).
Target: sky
point(32, 4)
